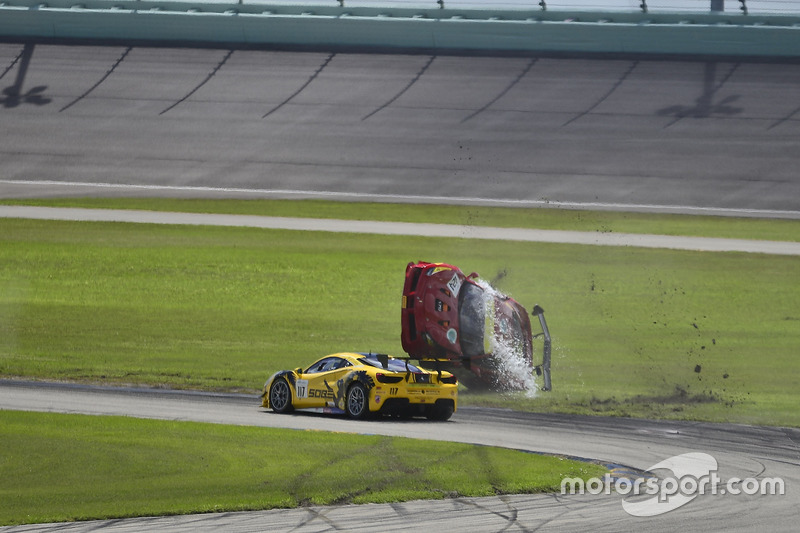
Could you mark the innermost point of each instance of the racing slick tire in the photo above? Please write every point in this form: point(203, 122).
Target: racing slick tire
point(280, 396)
point(357, 401)
point(442, 411)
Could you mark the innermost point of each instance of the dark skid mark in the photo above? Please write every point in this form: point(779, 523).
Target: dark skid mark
point(704, 105)
point(302, 87)
point(100, 81)
point(13, 94)
point(510, 86)
point(411, 83)
point(510, 517)
point(787, 118)
point(605, 97)
point(208, 78)
point(318, 515)
point(14, 62)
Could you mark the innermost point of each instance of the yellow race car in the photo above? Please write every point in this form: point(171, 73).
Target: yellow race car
point(361, 385)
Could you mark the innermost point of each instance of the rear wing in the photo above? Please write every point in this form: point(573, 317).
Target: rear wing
point(544, 369)
point(383, 359)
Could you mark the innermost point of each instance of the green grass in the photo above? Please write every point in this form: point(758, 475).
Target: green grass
point(563, 219)
point(58, 467)
point(637, 332)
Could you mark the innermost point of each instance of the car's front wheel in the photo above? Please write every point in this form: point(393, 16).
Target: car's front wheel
point(357, 401)
point(280, 396)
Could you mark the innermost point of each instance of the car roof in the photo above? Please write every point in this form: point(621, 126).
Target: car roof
point(355, 358)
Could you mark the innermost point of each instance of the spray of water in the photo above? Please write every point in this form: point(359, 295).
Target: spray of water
point(513, 370)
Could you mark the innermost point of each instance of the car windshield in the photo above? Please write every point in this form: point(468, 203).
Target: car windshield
point(472, 319)
point(395, 365)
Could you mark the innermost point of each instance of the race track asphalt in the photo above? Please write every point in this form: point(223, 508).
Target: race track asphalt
point(740, 451)
point(713, 133)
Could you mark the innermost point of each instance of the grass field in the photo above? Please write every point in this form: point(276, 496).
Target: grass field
point(636, 332)
point(59, 467)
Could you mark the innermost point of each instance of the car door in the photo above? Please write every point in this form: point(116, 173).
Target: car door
point(302, 398)
point(320, 382)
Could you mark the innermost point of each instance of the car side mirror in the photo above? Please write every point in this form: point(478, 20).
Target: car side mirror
point(298, 370)
point(474, 275)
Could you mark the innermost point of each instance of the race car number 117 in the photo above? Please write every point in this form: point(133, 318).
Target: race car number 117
point(301, 386)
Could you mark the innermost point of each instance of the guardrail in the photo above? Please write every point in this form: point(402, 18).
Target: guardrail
point(510, 30)
point(742, 7)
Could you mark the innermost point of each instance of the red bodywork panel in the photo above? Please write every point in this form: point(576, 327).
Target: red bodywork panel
point(431, 325)
point(431, 309)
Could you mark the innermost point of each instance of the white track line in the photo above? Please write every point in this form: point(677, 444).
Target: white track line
point(707, 244)
point(404, 198)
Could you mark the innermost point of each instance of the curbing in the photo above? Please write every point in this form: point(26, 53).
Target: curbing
point(440, 30)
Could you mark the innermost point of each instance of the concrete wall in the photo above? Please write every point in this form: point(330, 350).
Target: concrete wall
point(432, 29)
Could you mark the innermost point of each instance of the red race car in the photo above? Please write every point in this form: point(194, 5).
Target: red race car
point(484, 335)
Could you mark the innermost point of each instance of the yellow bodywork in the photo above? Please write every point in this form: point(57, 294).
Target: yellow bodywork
point(390, 383)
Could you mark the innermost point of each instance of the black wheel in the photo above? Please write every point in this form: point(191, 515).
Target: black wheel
point(442, 411)
point(357, 401)
point(280, 396)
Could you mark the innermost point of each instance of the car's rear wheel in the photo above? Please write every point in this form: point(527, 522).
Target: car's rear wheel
point(442, 411)
point(357, 401)
point(280, 396)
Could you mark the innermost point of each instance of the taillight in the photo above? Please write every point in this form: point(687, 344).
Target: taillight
point(383, 378)
point(450, 380)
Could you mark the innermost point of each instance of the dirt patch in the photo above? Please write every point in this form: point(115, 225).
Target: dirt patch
point(675, 401)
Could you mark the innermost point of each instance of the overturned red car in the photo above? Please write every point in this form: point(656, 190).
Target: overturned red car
point(479, 332)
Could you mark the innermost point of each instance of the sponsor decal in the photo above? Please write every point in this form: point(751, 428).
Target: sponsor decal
point(454, 285)
point(301, 387)
point(452, 335)
point(321, 393)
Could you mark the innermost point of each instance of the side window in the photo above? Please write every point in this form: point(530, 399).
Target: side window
point(328, 364)
point(341, 363)
point(333, 363)
point(319, 366)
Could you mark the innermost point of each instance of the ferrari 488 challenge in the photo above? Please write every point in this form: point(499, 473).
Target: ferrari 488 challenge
point(449, 315)
point(361, 385)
